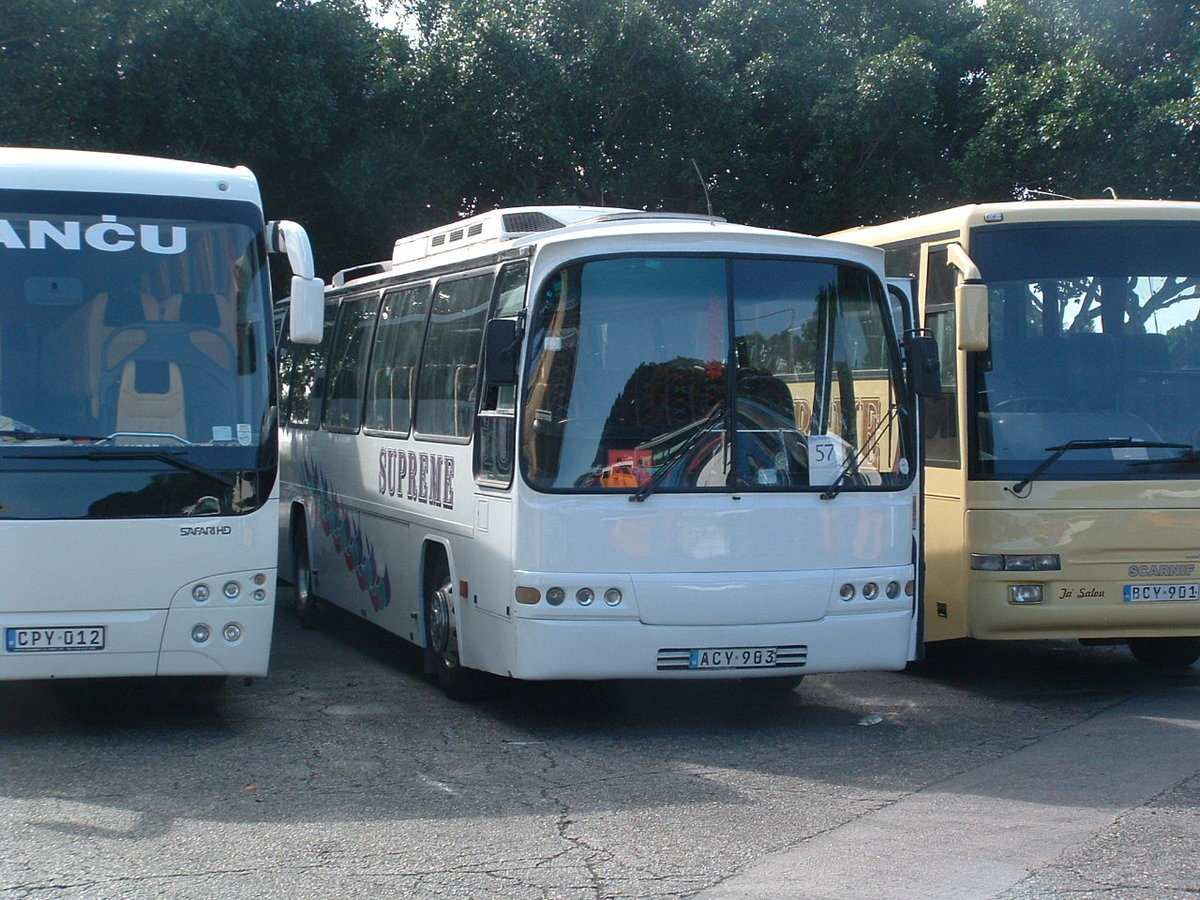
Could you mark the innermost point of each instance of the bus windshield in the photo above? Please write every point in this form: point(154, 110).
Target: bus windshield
point(691, 373)
point(1095, 351)
point(133, 355)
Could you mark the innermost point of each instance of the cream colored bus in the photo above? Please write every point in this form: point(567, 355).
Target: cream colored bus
point(1062, 494)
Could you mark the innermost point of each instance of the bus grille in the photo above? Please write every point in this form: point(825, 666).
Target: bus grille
point(792, 657)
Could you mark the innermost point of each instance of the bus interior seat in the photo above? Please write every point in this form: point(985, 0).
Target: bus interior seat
point(113, 311)
point(213, 319)
point(150, 399)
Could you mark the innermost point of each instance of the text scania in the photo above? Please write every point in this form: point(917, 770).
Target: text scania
point(423, 477)
point(107, 235)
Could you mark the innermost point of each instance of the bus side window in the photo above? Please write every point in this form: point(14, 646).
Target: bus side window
point(308, 376)
point(448, 381)
point(348, 364)
point(394, 360)
point(496, 425)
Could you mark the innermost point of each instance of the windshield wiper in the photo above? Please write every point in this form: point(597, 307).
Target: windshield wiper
point(47, 436)
point(1056, 453)
point(172, 457)
point(702, 426)
point(850, 466)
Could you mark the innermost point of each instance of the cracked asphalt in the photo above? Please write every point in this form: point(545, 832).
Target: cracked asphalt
point(346, 773)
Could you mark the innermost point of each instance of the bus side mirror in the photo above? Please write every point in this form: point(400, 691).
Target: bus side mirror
point(500, 347)
point(971, 301)
point(924, 369)
point(306, 319)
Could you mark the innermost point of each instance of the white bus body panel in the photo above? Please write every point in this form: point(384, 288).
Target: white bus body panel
point(116, 173)
point(695, 570)
point(144, 600)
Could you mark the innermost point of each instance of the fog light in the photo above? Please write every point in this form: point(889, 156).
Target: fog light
point(260, 595)
point(232, 632)
point(870, 590)
point(201, 633)
point(528, 595)
point(555, 596)
point(847, 592)
point(200, 593)
point(892, 590)
point(585, 596)
point(232, 590)
point(612, 596)
point(1024, 593)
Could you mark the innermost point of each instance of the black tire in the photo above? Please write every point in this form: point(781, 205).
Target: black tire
point(457, 681)
point(309, 608)
point(1166, 653)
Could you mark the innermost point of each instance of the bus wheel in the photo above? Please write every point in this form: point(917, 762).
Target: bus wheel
point(309, 608)
point(1166, 653)
point(456, 680)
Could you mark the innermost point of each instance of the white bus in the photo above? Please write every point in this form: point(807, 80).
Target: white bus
point(1062, 480)
point(138, 436)
point(586, 443)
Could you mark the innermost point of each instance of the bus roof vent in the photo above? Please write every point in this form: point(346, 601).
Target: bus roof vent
point(492, 227)
point(527, 222)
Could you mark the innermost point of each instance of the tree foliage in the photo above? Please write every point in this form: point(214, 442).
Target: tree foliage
point(804, 114)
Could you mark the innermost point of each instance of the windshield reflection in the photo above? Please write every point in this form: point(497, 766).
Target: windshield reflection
point(708, 373)
point(1095, 340)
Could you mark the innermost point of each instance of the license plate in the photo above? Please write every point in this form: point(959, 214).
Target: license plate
point(1140, 593)
point(733, 658)
point(42, 640)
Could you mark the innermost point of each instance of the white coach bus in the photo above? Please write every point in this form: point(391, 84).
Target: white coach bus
point(138, 437)
point(587, 443)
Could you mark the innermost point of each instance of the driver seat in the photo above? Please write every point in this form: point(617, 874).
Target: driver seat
point(150, 399)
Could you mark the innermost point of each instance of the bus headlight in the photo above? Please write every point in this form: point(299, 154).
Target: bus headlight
point(232, 632)
point(892, 590)
point(1024, 593)
point(201, 633)
point(555, 596)
point(200, 593)
point(870, 590)
point(613, 596)
point(585, 596)
point(1016, 562)
point(232, 590)
point(847, 592)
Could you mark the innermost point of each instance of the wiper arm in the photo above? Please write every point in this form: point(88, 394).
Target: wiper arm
point(703, 427)
point(1056, 453)
point(12, 435)
point(850, 466)
point(170, 457)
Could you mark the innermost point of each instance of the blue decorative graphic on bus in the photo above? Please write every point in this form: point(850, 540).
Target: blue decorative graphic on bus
point(344, 529)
